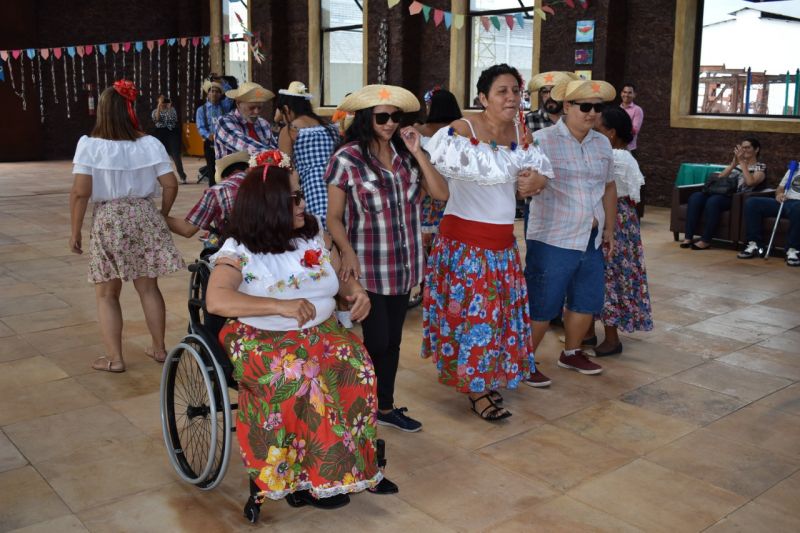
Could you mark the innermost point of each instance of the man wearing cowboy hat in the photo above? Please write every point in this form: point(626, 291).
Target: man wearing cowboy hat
point(571, 219)
point(243, 129)
point(214, 208)
point(206, 118)
point(549, 110)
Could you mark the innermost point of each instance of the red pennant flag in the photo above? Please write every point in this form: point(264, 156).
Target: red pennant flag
point(549, 9)
point(126, 47)
point(570, 3)
point(16, 53)
point(510, 21)
point(486, 23)
point(79, 49)
point(150, 45)
point(89, 48)
point(161, 42)
point(115, 47)
point(415, 8)
point(438, 16)
point(195, 41)
point(45, 52)
point(183, 41)
point(57, 53)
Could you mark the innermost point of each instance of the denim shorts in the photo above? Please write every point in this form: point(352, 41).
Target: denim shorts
point(553, 273)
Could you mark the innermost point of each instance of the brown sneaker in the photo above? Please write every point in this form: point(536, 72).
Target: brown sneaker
point(537, 379)
point(579, 362)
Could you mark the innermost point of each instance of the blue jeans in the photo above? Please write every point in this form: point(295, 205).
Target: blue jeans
point(756, 209)
point(713, 205)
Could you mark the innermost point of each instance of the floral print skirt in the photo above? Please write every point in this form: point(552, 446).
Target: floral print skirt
point(307, 409)
point(432, 212)
point(475, 316)
point(627, 303)
point(129, 240)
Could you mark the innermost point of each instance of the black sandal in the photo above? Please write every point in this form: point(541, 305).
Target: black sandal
point(496, 397)
point(491, 412)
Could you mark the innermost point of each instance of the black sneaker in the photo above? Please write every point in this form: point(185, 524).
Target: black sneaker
point(396, 418)
point(750, 251)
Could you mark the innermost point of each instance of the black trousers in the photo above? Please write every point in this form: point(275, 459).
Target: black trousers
point(383, 331)
point(208, 153)
point(171, 139)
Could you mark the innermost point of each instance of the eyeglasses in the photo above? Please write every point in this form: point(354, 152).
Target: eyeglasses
point(383, 118)
point(298, 197)
point(585, 107)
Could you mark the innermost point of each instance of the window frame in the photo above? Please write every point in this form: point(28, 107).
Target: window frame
point(224, 45)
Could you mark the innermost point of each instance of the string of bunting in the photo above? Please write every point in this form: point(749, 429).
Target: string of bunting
point(448, 18)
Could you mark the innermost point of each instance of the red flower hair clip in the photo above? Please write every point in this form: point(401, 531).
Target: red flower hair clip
point(129, 92)
point(270, 158)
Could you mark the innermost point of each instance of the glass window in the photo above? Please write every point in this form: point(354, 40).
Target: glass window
point(342, 27)
point(514, 47)
point(748, 65)
point(237, 51)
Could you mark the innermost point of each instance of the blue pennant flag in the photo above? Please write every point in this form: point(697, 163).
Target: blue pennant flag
point(448, 19)
point(139, 46)
point(31, 53)
point(520, 20)
point(206, 40)
point(103, 48)
point(71, 51)
point(172, 41)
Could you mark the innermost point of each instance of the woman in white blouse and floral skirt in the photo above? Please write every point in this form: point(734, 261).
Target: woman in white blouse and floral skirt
point(120, 169)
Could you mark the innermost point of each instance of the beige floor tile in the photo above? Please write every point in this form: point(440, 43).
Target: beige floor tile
point(56, 340)
point(677, 314)
point(27, 499)
point(564, 515)
point(661, 293)
point(737, 292)
point(788, 341)
point(26, 403)
point(768, 315)
point(786, 400)
point(741, 330)
point(689, 340)
point(15, 289)
point(77, 361)
point(757, 518)
point(144, 412)
point(10, 253)
point(5, 331)
point(47, 320)
point(64, 524)
point(674, 398)
point(10, 458)
point(732, 380)
point(654, 358)
point(657, 499)
point(706, 303)
point(135, 381)
point(740, 468)
point(765, 427)
point(97, 475)
point(73, 431)
point(15, 347)
point(626, 427)
point(478, 507)
point(556, 456)
point(22, 305)
point(30, 371)
point(787, 300)
point(766, 360)
point(784, 496)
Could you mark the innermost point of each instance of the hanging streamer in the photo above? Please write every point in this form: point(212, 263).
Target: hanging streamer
point(97, 73)
point(150, 78)
point(168, 84)
point(53, 76)
point(66, 86)
point(22, 83)
point(178, 73)
point(188, 78)
point(41, 95)
point(74, 80)
point(158, 70)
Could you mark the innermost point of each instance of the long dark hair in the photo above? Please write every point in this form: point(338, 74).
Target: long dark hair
point(444, 108)
point(263, 214)
point(113, 122)
point(300, 106)
point(362, 132)
point(617, 119)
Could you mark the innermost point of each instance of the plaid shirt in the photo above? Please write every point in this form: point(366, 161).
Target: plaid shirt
point(231, 136)
point(214, 208)
point(382, 218)
point(537, 120)
point(562, 214)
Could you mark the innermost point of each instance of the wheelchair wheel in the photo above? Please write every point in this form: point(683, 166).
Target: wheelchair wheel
point(196, 414)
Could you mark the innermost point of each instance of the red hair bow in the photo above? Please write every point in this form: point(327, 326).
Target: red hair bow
point(129, 92)
point(272, 158)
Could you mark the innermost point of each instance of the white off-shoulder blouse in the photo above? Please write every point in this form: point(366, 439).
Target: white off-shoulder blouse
point(482, 177)
point(627, 176)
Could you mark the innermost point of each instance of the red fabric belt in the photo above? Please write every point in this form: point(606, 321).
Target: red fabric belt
point(480, 234)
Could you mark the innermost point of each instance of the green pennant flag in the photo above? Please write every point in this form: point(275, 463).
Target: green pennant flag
point(426, 12)
point(495, 22)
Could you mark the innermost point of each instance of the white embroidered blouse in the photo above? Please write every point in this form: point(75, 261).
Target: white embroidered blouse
point(627, 176)
point(286, 276)
point(483, 177)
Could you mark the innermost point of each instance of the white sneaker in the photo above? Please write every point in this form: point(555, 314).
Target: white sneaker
point(792, 257)
point(750, 251)
point(344, 318)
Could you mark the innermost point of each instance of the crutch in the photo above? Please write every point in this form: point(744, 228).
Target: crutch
point(789, 178)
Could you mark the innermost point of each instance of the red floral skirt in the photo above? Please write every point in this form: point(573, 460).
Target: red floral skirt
point(307, 408)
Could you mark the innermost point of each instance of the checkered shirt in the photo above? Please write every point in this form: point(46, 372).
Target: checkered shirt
point(214, 208)
point(562, 214)
point(382, 218)
point(165, 119)
point(537, 120)
point(312, 150)
point(231, 136)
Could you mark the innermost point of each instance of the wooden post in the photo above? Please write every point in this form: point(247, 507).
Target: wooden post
point(215, 46)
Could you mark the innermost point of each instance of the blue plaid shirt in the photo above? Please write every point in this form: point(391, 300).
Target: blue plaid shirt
point(231, 136)
point(209, 114)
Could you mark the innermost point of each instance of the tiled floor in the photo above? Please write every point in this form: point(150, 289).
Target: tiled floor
point(695, 426)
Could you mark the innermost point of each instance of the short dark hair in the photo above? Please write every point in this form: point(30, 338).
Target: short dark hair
point(234, 168)
point(488, 76)
point(755, 143)
point(617, 119)
point(632, 86)
point(298, 105)
point(361, 131)
point(262, 218)
point(444, 108)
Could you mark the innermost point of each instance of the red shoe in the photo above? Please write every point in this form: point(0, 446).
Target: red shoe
point(579, 362)
point(537, 379)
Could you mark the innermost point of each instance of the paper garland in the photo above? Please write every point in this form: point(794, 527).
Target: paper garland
point(448, 18)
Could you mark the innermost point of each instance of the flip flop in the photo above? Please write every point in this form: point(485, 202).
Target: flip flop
point(158, 359)
point(104, 364)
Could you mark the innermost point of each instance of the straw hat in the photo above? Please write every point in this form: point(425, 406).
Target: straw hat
point(297, 88)
point(223, 163)
point(553, 77)
point(374, 95)
point(250, 92)
point(583, 90)
point(208, 84)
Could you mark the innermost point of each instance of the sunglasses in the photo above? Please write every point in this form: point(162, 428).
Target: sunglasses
point(383, 118)
point(585, 107)
point(298, 196)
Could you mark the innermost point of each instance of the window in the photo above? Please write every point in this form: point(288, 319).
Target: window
point(237, 51)
point(747, 64)
point(342, 27)
point(511, 46)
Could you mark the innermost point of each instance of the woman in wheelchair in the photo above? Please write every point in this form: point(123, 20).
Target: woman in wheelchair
point(306, 422)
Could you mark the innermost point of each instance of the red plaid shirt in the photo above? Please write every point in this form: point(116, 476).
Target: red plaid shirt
point(382, 218)
point(214, 208)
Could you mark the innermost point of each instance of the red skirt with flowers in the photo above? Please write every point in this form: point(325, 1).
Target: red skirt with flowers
point(307, 408)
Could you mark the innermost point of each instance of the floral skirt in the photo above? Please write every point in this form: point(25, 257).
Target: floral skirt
point(307, 409)
point(432, 211)
point(475, 316)
point(129, 240)
point(627, 303)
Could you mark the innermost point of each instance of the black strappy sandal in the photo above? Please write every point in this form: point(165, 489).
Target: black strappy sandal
point(491, 412)
point(496, 397)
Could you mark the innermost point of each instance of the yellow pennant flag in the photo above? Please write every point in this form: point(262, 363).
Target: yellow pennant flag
point(458, 21)
point(540, 13)
point(393, 3)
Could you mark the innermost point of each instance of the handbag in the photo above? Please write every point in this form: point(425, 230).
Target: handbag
point(724, 186)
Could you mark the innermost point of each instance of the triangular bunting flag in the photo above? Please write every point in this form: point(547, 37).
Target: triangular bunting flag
point(103, 48)
point(71, 51)
point(459, 21)
point(57, 53)
point(393, 3)
point(150, 45)
point(139, 46)
point(126, 47)
point(495, 22)
point(486, 23)
point(510, 21)
point(44, 52)
point(448, 19)
point(520, 20)
point(183, 41)
point(115, 47)
point(426, 12)
point(549, 9)
point(15, 53)
point(195, 41)
point(438, 16)
point(31, 52)
point(4, 55)
point(172, 41)
point(89, 49)
point(207, 39)
point(539, 13)
point(415, 8)
point(226, 38)
point(79, 49)
point(570, 3)
point(161, 42)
